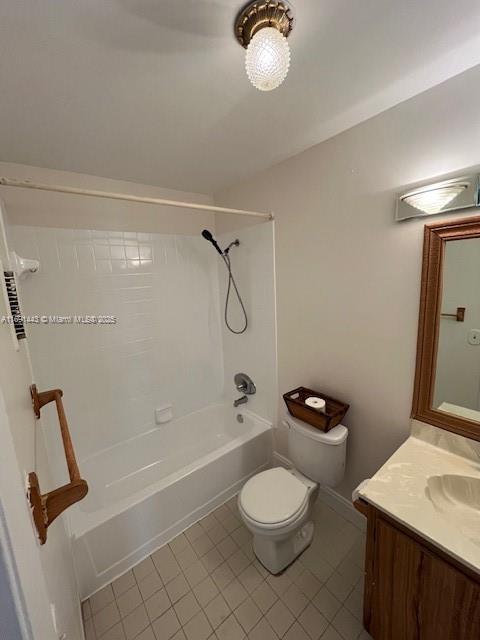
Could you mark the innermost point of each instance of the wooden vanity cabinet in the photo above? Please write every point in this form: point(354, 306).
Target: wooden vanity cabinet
point(413, 591)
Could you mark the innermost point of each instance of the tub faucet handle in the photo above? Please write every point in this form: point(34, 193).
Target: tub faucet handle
point(244, 384)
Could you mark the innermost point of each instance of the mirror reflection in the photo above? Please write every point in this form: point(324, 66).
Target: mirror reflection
point(457, 379)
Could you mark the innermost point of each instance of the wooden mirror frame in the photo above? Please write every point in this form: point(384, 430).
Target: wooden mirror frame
point(435, 238)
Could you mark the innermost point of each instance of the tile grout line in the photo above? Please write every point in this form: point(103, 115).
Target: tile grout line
point(237, 570)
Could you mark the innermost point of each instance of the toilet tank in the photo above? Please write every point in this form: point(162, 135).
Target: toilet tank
point(318, 455)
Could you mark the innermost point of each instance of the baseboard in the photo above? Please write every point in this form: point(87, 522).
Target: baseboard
point(330, 497)
point(343, 507)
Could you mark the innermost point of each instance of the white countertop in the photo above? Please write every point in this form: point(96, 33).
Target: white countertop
point(399, 488)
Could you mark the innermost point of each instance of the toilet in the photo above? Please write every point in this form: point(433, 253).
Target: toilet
point(276, 504)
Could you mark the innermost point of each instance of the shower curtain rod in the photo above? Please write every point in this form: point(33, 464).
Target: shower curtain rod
point(28, 184)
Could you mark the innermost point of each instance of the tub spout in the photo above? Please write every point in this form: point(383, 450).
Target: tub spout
point(239, 401)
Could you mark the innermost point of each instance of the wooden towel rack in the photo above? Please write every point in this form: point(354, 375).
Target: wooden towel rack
point(48, 506)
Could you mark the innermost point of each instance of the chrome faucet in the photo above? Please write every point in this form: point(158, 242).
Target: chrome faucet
point(239, 401)
point(245, 385)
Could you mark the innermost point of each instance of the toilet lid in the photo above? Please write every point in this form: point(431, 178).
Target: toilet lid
point(273, 496)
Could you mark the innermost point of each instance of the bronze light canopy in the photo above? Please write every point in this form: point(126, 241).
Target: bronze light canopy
point(262, 28)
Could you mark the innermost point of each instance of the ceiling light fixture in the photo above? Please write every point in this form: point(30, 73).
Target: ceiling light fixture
point(439, 197)
point(262, 28)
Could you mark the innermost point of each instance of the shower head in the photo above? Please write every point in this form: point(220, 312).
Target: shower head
point(208, 236)
point(231, 280)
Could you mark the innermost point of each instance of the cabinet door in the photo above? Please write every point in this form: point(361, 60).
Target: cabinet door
point(449, 603)
point(396, 567)
point(417, 595)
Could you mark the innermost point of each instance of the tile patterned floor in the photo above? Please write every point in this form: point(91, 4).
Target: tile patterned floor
point(207, 585)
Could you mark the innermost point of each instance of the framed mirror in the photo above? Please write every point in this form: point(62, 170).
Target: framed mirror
point(447, 378)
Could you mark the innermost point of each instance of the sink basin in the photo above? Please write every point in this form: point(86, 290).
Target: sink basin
point(457, 498)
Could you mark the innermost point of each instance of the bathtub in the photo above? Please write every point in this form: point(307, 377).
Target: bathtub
point(146, 490)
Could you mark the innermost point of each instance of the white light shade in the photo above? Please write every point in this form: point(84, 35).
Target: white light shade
point(434, 200)
point(267, 59)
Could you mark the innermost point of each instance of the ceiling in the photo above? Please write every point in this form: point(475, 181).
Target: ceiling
point(154, 91)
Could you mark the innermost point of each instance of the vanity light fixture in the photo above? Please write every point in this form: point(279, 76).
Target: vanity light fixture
point(439, 197)
point(262, 28)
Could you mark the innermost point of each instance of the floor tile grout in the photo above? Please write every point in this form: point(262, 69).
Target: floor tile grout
point(237, 576)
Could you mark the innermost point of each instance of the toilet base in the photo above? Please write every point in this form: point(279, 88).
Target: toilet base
point(276, 554)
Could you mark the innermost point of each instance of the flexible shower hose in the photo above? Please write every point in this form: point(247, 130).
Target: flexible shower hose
point(231, 282)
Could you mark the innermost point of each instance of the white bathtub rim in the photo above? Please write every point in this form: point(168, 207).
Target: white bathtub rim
point(260, 425)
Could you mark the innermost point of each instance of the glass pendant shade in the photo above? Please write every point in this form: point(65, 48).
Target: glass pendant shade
point(267, 59)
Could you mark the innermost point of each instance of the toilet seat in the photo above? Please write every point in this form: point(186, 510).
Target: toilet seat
point(274, 498)
point(274, 529)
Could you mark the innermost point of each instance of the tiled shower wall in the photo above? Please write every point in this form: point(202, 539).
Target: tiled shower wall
point(253, 352)
point(166, 345)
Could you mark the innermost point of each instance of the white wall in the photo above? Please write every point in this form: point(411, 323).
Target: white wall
point(348, 277)
point(25, 559)
point(253, 352)
point(457, 377)
point(45, 208)
point(166, 345)
point(45, 573)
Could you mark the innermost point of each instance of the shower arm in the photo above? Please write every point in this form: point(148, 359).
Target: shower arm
point(48, 506)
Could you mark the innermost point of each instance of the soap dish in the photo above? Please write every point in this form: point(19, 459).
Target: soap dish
point(333, 414)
